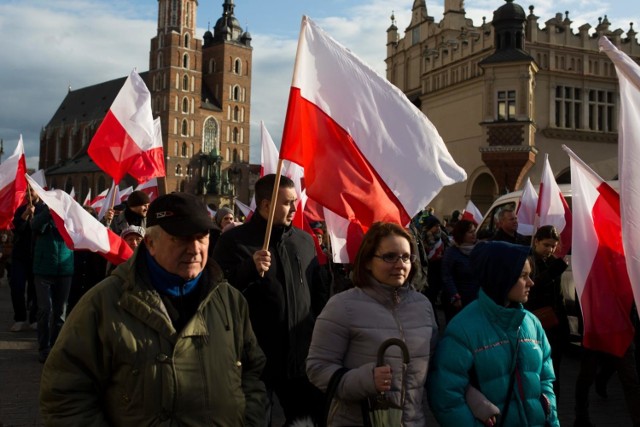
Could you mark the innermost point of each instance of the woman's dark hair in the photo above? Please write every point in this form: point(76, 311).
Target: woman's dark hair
point(460, 229)
point(547, 232)
point(369, 246)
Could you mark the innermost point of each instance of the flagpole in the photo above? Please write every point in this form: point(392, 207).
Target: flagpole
point(112, 200)
point(575, 157)
point(272, 209)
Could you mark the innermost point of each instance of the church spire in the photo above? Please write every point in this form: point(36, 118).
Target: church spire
point(227, 27)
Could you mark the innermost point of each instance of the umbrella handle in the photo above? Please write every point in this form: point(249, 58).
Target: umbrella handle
point(388, 343)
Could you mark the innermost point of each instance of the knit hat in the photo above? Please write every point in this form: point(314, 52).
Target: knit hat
point(132, 229)
point(221, 213)
point(137, 198)
point(430, 221)
point(497, 267)
point(179, 214)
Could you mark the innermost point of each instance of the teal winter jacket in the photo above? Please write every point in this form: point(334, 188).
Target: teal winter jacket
point(478, 347)
point(51, 255)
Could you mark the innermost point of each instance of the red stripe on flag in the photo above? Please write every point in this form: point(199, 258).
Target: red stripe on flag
point(337, 175)
point(112, 149)
point(607, 296)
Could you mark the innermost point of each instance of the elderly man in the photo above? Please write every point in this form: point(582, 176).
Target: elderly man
point(508, 228)
point(164, 340)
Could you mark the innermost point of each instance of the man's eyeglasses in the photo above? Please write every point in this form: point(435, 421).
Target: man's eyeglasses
point(392, 258)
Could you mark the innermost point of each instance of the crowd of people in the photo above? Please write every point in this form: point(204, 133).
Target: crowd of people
point(212, 319)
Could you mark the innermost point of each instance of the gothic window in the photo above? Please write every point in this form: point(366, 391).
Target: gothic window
point(210, 136)
point(189, 171)
point(185, 128)
point(70, 144)
point(212, 66)
point(185, 82)
point(415, 35)
point(568, 105)
point(185, 105)
point(236, 112)
point(602, 105)
point(187, 23)
point(236, 93)
point(184, 149)
point(506, 105)
point(185, 60)
point(235, 155)
point(237, 66)
point(159, 60)
point(235, 136)
point(174, 13)
point(178, 169)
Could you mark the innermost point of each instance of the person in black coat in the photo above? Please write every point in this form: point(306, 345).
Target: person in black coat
point(285, 291)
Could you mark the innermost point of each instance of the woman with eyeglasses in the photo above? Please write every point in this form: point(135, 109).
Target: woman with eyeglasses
point(354, 323)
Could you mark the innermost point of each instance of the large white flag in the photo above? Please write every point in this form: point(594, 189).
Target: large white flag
point(628, 158)
point(527, 209)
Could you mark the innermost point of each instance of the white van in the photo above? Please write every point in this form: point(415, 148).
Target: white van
point(489, 225)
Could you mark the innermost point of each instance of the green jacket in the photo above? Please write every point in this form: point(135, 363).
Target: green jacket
point(51, 255)
point(119, 361)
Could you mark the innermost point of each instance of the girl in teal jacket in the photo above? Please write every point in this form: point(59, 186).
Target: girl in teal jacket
point(497, 346)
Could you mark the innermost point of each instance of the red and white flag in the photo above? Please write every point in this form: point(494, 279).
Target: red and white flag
point(98, 199)
point(128, 140)
point(598, 261)
point(526, 211)
point(269, 153)
point(13, 185)
point(107, 202)
point(40, 178)
point(246, 210)
point(79, 229)
point(628, 158)
point(472, 213)
point(87, 199)
point(364, 146)
point(553, 209)
point(150, 188)
point(123, 195)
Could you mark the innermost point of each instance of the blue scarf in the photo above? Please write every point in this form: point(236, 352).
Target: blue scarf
point(169, 283)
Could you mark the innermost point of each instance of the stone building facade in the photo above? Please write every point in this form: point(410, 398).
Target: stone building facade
point(200, 89)
point(505, 93)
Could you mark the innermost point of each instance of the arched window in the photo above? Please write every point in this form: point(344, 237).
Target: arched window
point(235, 136)
point(178, 169)
point(212, 65)
point(185, 128)
point(185, 82)
point(186, 40)
point(185, 105)
point(210, 136)
point(184, 149)
point(185, 60)
point(189, 171)
point(235, 114)
point(236, 93)
point(237, 66)
point(235, 155)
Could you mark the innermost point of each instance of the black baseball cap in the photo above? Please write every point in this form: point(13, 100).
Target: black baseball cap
point(180, 214)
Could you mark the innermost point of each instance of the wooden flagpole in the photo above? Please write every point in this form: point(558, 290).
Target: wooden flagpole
point(272, 209)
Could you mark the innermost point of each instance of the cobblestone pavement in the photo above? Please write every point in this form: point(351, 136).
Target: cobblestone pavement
point(20, 376)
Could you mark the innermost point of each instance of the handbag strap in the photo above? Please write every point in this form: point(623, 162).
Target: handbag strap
point(331, 391)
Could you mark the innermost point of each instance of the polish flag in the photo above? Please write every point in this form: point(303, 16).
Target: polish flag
point(150, 188)
point(123, 195)
point(13, 186)
point(246, 210)
point(95, 201)
point(107, 202)
point(598, 262)
point(129, 141)
point(553, 209)
point(629, 157)
point(472, 213)
point(87, 199)
point(40, 178)
point(79, 229)
point(364, 147)
point(526, 211)
point(269, 153)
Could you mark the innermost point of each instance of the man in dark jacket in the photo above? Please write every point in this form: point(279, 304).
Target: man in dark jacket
point(285, 291)
point(508, 228)
point(164, 340)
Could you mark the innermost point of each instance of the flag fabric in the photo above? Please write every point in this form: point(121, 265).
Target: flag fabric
point(87, 199)
point(269, 153)
point(107, 202)
point(552, 208)
point(472, 213)
point(123, 195)
point(246, 210)
point(364, 146)
point(13, 185)
point(598, 262)
point(628, 157)
point(526, 211)
point(40, 178)
point(150, 188)
point(128, 140)
point(72, 193)
point(79, 229)
point(95, 201)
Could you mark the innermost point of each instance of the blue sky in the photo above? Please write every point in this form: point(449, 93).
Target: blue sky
point(49, 45)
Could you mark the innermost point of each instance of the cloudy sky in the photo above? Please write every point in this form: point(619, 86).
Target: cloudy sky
point(50, 45)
